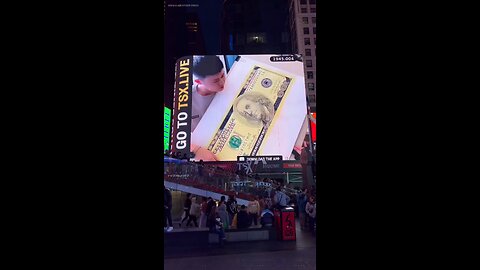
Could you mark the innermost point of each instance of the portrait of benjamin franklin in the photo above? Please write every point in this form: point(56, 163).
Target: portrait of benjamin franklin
point(255, 108)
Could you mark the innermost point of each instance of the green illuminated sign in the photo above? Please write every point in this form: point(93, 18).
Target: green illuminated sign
point(166, 128)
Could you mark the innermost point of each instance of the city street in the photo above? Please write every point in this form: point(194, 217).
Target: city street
point(299, 254)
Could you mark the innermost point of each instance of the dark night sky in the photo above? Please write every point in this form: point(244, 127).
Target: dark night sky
point(209, 13)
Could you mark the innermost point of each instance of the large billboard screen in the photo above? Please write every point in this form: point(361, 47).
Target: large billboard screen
point(227, 106)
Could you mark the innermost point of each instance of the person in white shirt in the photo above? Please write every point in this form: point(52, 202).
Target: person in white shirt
point(210, 80)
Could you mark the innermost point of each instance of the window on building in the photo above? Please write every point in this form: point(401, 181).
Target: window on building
point(313, 10)
point(309, 75)
point(306, 41)
point(308, 52)
point(303, 10)
point(314, 20)
point(305, 31)
point(305, 20)
point(311, 98)
point(256, 38)
point(303, 2)
point(309, 63)
point(285, 38)
point(313, 2)
point(314, 30)
point(311, 86)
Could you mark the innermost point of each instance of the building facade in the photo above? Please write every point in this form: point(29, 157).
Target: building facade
point(255, 27)
point(303, 28)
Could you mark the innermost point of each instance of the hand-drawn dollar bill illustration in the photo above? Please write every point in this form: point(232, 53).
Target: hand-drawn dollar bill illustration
point(245, 125)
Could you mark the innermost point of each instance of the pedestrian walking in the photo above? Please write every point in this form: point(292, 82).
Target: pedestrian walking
point(203, 213)
point(210, 207)
point(186, 209)
point(253, 210)
point(222, 212)
point(194, 213)
point(311, 212)
point(302, 203)
point(167, 202)
point(216, 225)
point(231, 208)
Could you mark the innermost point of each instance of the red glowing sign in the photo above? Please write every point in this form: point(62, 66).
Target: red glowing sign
point(313, 127)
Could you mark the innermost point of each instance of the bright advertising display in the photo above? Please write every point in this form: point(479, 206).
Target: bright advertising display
point(226, 106)
point(166, 128)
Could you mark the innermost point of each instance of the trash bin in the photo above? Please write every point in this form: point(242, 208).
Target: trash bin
point(285, 223)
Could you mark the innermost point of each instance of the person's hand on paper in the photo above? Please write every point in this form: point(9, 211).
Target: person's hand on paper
point(203, 154)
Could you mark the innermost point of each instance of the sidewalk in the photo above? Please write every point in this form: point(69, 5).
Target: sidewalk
point(279, 260)
point(305, 241)
point(261, 255)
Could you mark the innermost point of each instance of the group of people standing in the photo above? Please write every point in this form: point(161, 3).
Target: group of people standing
point(208, 214)
point(226, 210)
point(226, 214)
